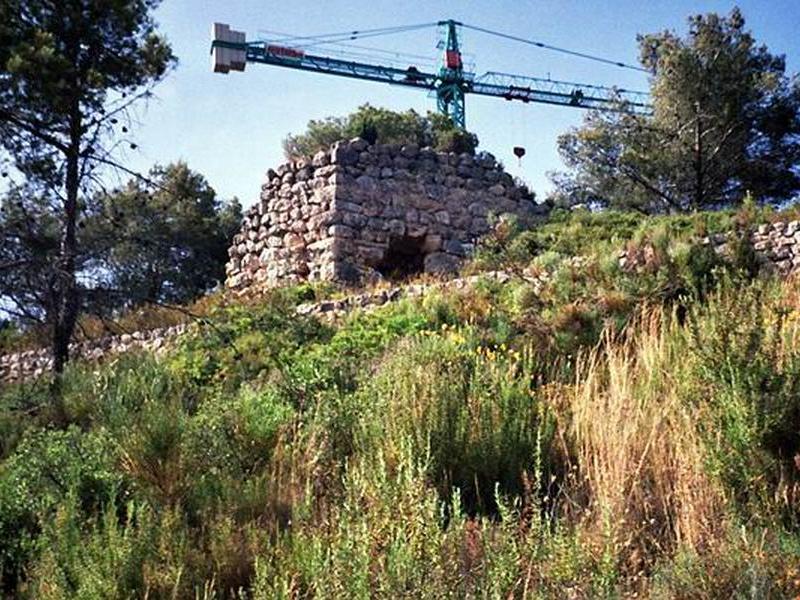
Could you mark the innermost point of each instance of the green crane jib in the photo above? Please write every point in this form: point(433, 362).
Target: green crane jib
point(451, 83)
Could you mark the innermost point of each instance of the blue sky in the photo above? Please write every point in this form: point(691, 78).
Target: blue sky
point(230, 127)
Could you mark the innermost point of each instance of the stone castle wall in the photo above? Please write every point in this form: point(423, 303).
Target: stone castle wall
point(359, 212)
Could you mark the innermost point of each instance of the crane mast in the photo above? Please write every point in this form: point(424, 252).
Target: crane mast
point(450, 84)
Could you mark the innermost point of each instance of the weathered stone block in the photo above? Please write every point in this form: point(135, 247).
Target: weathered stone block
point(342, 231)
point(409, 150)
point(443, 217)
point(396, 227)
point(358, 144)
point(439, 263)
point(343, 154)
point(432, 243)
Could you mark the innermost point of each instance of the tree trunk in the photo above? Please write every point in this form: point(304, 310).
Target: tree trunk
point(67, 301)
point(699, 191)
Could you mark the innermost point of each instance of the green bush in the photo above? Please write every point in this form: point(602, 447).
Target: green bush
point(384, 126)
point(470, 409)
point(743, 341)
point(46, 470)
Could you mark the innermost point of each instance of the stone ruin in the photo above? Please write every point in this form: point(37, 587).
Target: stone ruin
point(360, 212)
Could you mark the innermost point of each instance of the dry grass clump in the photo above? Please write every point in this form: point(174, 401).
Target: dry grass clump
point(640, 463)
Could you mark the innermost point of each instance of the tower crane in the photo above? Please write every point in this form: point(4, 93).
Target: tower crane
point(450, 83)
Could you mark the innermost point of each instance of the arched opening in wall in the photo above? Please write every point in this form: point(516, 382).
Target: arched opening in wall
point(404, 258)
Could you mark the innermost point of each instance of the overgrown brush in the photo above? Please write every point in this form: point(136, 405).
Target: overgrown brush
point(594, 434)
point(638, 459)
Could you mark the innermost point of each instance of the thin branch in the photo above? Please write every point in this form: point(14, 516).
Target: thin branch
point(34, 130)
point(131, 172)
point(14, 263)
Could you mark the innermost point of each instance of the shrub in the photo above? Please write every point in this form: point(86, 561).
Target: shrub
point(47, 469)
point(467, 407)
point(746, 357)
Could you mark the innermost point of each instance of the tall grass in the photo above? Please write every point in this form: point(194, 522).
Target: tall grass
point(478, 445)
point(640, 462)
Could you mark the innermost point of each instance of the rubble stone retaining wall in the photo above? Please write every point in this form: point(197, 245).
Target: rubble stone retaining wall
point(33, 363)
point(777, 245)
point(360, 212)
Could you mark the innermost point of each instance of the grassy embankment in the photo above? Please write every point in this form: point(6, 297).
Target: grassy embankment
point(609, 433)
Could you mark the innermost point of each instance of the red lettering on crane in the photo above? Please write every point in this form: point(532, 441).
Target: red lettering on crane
point(285, 52)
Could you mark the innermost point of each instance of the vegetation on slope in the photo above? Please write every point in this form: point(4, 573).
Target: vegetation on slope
point(606, 434)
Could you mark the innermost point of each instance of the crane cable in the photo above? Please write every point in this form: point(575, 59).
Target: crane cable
point(347, 50)
point(310, 41)
point(392, 53)
point(556, 48)
point(287, 38)
point(348, 35)
point(355, 36)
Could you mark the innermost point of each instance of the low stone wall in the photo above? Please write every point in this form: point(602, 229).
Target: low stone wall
point(360, 212)
point(33, 363)
point(777, 243)
point(777, 246)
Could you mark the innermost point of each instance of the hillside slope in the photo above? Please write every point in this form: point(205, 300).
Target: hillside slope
point(581, 430)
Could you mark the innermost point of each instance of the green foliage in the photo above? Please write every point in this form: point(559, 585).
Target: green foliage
point(10, 335)
point(753, 387)
point(169, 245)
point(29, 243)
point(468, 408)
point(586, 233)
point(102, 559)
point(47, 469)
point(60, 64)
point(755, 563)
point(245, 343)
point(574, 299)
point(726, 121)
point(380, 125)
point(580, 427)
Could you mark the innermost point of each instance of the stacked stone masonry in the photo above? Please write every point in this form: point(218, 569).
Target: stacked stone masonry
point(777, 246)
point(33, 363)
point(360, 212)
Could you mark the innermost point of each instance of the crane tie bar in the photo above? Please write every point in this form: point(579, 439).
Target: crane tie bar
point(538, 44)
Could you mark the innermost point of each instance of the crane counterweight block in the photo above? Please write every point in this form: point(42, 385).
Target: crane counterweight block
point(225, 56)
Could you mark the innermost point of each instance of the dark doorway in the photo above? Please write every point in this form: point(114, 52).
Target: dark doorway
point(403, 259)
